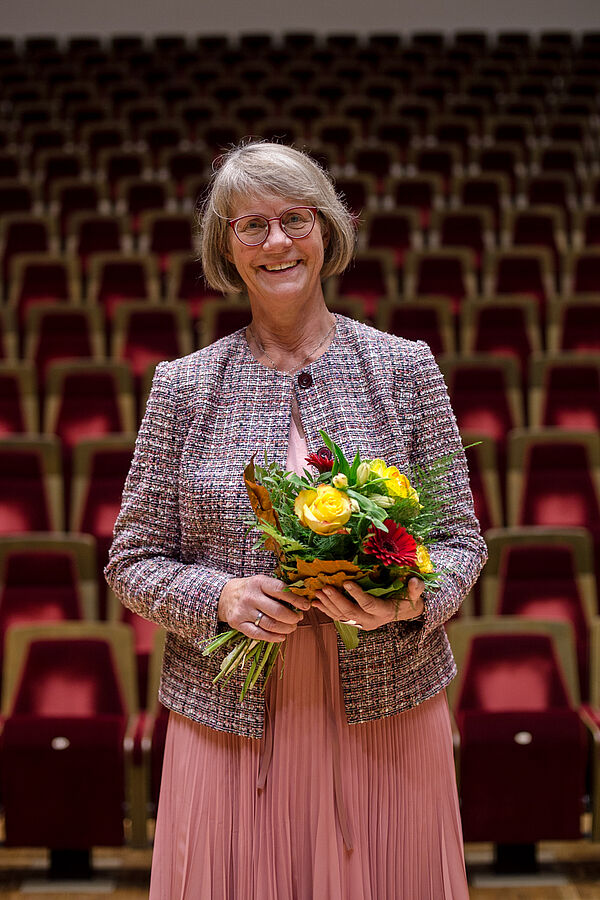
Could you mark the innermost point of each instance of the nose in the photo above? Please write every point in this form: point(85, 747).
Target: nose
point(276, 237)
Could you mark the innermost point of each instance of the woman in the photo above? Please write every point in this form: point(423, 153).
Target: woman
point(347, 792)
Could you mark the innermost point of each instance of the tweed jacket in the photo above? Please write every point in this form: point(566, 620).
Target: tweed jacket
point(181, 533)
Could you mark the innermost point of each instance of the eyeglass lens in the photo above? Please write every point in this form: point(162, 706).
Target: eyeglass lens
point(296, 223)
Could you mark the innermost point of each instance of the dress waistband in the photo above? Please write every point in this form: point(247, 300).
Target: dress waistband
point(315, 617)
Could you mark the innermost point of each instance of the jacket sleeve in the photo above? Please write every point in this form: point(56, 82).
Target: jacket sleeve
point(456, 546)
point(145, 569)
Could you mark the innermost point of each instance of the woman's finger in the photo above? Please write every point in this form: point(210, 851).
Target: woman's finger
point(332, 602)
point(370, 604)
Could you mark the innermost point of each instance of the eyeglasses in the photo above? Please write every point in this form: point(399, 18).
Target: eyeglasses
point(297, 222)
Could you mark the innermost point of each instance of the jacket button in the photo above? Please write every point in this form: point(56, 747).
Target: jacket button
point(305, 379)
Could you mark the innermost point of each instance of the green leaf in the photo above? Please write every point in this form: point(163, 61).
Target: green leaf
point(348, 634)
point(289, 545)
point(354, 467)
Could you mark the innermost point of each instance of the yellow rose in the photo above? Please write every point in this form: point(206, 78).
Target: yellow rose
point(399, 486)
point(340, 480)
point(423, 559)
point(324, 511)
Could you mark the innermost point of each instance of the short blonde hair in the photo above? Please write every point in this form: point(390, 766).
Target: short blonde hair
point(269, 168)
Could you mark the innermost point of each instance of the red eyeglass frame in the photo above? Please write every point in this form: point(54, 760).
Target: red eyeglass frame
point(313, 209)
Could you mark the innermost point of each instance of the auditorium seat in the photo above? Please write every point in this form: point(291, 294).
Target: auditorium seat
point(536, 226)
point(25, 233)
point(46, 577)
point(486, 479)
point(508, 326)
point(553, 478)
point(71, 196)
point(574, 324)
point(371, 275)
point(448, 272)
point(163, 233)
point(31, 484)
point(581, 274)
point(56, 333)
point(486, 395)
point(395, 229)
point(119, 164)
point(18, 398)
point(359, 192)
point(92, 232)
point(70, 714)
point(164, 134)
point(137, 195)
point(544, 573)
point(185, 283)
point(564, 391)
point(41, 278)
point(219, 317)
point(144, 333)
point(522, 746)
point(490, 190)
point(520, 270)
point(467, 226)
point(99, 466)
point(86, 398)
point(423, 192)
point(426, 319)
point(117, 277)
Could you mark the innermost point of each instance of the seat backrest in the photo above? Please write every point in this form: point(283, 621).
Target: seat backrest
point(521, 664)
point(68, 678)
point(69, 668)
point(508, 673)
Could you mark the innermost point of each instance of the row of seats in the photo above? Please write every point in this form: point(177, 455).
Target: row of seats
point(551, 476)
point(142, 332)
point(91, 396)
point(81, 219)
point(73, 734)
point(114, 180)
point(431, 40)
point(535, 571)
point(375, 273)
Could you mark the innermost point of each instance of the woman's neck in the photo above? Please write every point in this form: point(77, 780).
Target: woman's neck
point(290, 339)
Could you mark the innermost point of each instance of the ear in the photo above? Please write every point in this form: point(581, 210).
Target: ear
point(325, 235)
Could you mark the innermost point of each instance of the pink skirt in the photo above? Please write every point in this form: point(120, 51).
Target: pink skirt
point(394, 799)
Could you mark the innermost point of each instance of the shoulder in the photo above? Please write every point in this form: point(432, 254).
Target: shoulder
point(202, 366)
point(391, 348)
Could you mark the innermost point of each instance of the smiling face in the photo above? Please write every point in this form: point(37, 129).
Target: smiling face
point(281, 270)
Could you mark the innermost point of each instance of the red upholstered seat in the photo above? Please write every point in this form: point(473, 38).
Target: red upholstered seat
point(30, 485)
point(38, 586)
point(511, 673)
point(63, 745)
point(522, 744)
point(486, 394)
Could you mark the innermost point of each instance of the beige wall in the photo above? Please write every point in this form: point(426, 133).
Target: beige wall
point(103, 17)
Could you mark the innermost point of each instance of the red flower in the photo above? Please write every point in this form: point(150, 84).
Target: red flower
point(321, 460)
point(395, 548)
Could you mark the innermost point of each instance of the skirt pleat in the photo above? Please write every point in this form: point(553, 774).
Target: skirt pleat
point(219, 838)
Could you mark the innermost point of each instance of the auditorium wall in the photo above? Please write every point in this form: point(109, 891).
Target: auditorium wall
point(65, 17)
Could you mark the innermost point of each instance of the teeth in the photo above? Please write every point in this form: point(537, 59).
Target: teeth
point(281, 266)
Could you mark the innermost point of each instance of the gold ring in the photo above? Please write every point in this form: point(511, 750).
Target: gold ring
point(258, 618)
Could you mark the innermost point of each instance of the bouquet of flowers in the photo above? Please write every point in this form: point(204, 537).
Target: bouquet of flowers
point(363, 521)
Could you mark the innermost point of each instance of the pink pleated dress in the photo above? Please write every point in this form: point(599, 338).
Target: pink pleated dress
point(317, 809)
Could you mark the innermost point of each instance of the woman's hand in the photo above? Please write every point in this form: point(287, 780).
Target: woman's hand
point(242, 601)
point(371, 612)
